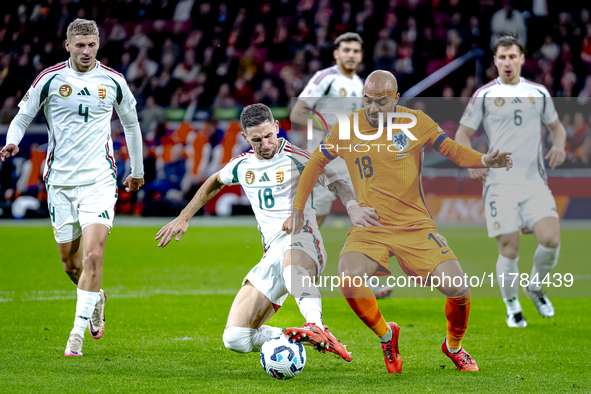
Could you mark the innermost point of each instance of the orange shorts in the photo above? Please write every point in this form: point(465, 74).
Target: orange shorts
point(418, 250)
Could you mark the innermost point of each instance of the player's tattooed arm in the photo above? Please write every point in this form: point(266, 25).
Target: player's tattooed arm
point(344, 190)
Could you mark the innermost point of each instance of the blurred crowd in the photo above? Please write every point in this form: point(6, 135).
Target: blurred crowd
point(194, 64)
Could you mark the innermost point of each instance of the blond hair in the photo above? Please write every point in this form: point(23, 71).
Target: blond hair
point(82, 27)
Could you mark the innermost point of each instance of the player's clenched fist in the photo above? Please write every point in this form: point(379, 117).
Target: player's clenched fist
point(133, 184)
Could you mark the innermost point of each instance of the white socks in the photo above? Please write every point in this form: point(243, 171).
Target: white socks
point(262, 334)
point(84, 308)
point(246, 340)
point(507, 274)
point(545, 259)
point(299, 284)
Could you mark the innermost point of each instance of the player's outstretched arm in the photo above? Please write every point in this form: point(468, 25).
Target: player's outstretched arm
point(469, 158)
point(206, 192)
point(557, 154)
point(463, 138)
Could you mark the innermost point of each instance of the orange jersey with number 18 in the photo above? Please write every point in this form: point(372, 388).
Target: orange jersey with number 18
point(386, 174)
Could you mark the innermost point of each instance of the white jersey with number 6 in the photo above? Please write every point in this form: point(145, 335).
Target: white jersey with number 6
point(511, 116)
point(271, 186)
point(78, 109)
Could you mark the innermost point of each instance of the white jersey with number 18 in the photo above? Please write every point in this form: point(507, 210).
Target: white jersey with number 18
point(511, 116)
point(271, 186)
point(78, 109)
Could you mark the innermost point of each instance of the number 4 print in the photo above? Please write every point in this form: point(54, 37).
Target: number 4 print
point(85, 113)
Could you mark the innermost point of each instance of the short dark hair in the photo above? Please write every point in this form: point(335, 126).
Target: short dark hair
point(347, 37)
point(507, 42)
point(255, 115)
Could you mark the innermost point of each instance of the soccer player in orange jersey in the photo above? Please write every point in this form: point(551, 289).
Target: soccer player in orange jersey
point(386, 175)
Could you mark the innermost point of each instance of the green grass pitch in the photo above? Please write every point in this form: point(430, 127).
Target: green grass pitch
point(167, 310)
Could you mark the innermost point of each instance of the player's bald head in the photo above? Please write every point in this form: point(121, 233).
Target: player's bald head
point(381, 83)
point(380, 95)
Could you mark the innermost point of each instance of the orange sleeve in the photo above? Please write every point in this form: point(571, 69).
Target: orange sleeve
point(459, 154)
point(309, 177)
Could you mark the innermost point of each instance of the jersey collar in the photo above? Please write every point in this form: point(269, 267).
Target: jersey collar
point(97, 64)
point(283, 143)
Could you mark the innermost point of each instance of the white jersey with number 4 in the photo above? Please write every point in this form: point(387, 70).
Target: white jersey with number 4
point(511, 116)
point(271, 186)
point(78, 108)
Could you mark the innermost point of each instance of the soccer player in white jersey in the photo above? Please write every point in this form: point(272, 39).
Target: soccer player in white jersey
point(269, 174)
point(326, 90)
point(78, 97)
point(511, 109)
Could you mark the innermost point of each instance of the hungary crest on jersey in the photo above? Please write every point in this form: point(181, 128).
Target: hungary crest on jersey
point(102, 92)
point(280, 175)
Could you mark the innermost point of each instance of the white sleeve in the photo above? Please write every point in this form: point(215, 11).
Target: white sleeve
point(133, 137)
point(17, 128)
point(474, 112)
point(35, 97)
point(124, 101)
point(229, 174)
point(316, 88)
point(549, 114)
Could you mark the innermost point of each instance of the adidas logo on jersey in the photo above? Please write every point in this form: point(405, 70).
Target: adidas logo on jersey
point(264, 178)
point(84, 92)
point(516, 100)
point(104, 215)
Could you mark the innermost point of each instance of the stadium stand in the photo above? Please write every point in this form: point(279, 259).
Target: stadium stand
point(193, 65)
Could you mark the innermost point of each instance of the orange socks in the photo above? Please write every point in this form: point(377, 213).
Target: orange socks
point(457, 311)
point(363, 302)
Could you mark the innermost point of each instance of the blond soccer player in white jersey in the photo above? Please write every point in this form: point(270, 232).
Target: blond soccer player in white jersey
point(269, 174)
point(511, 110)
point(78, 97)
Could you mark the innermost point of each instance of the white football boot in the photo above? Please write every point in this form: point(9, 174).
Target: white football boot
point(97, 320)
point(542, 303)
point(516, 320)
point(74, 346)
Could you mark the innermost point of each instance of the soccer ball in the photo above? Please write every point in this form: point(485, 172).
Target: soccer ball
point(281, 358)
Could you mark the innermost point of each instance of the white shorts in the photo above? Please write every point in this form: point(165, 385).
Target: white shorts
point(267, 275)
point(323, 198)
point(508, 208)
point(72, 208)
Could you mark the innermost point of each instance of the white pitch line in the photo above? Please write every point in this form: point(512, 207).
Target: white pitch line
point(55, 295)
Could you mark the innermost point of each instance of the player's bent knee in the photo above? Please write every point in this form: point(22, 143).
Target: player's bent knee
point(239, 339)
point(93, 259)
point(551, 243)
point(460, 291)
point(349, 267)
